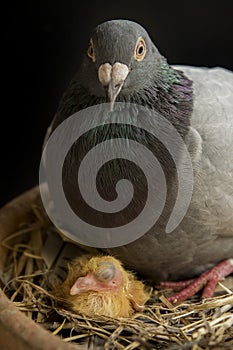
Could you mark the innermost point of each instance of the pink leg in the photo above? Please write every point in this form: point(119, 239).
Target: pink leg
point(176, 285)
point(209, 279)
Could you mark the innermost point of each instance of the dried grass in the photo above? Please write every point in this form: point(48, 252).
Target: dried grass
point(192, 325)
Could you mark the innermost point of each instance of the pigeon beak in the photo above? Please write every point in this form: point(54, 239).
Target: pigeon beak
point(113, 78)
point(112, 92)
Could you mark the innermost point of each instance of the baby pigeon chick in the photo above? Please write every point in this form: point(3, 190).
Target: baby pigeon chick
point(101, 286)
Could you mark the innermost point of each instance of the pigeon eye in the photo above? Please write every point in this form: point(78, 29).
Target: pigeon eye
point(90, 51)
point(140, 49)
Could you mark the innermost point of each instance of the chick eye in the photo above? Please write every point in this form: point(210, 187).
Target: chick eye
point(90, 51)
point(105, 271)
point(140, 49)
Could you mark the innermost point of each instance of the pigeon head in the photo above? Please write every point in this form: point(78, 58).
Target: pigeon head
point(119, 60)
point(122, 64)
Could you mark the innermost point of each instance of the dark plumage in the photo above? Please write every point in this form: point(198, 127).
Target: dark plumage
point(151, 82)
point(199, 103)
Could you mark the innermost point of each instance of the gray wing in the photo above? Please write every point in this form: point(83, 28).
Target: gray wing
point(212, 119)
point(205, 236)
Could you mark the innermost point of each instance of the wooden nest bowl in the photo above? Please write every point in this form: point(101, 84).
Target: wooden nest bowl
point(16, 330)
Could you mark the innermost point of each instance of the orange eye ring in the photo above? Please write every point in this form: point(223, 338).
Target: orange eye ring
point(140, 49)
point(90, 51)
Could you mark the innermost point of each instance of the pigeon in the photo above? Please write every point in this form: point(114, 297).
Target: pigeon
point(99, 285)
point(122, 64)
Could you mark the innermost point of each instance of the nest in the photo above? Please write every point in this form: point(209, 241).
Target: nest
point(193, 324)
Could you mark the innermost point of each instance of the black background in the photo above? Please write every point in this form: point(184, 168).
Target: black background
point(42, 46)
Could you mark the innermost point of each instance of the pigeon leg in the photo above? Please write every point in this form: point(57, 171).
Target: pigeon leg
point(176, 285)
point(209, 280)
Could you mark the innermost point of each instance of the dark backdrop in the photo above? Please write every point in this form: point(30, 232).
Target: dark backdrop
point(43, 43)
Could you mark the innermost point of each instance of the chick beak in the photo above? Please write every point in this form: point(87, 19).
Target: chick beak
point(84, 284)
point(113, 78)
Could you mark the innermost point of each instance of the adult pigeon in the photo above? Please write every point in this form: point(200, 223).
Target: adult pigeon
point(123, 65)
